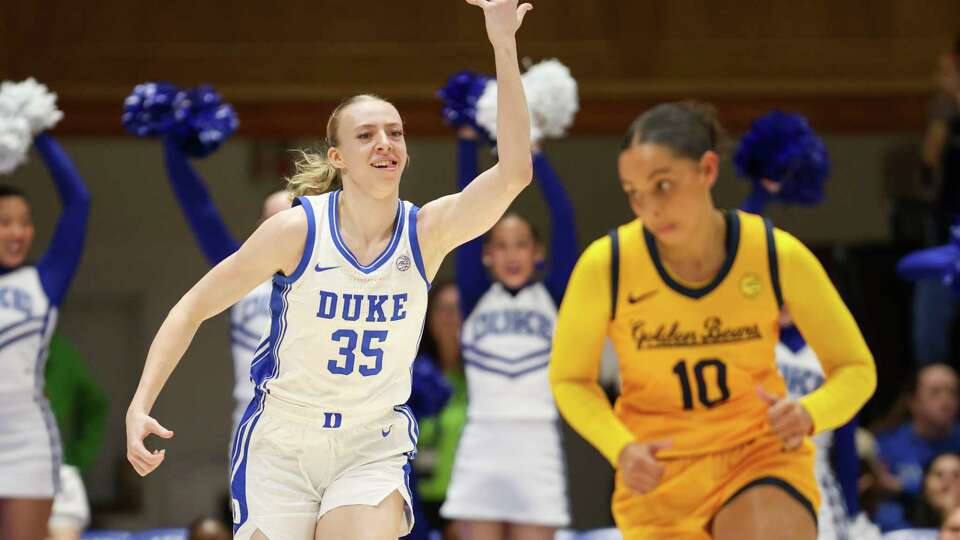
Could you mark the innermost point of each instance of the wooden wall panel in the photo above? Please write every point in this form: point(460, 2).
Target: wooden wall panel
point(292, 59)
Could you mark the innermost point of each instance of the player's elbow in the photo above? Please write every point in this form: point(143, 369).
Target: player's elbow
point(518, 173)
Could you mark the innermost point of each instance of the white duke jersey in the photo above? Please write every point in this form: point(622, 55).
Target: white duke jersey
point(27, 321)
point(506, 349)
point(249, 325)
point(342, 335)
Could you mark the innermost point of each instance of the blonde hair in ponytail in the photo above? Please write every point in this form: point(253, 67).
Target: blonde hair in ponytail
point(315, 175)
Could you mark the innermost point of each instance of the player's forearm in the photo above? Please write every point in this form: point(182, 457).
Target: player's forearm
point(586, 408)
point(513, 118)
point(846, 390)
point(168, 347)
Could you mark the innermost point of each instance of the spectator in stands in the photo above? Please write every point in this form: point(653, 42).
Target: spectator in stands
point(908, 449)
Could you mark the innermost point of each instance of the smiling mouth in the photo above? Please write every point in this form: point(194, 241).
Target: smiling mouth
point(387, 164)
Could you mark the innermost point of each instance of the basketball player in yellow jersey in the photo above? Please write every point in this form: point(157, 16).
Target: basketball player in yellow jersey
point(704, 443)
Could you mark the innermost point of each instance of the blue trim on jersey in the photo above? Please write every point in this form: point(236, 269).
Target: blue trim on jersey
point(415, 245)
point(509, 374)
point(733, 242)
point(334, 219)
point(307, 246)
point(260, 377)
point(413, 429)
point(28, 333)
point(18, 323)
point(505, 359)
point(774, 264)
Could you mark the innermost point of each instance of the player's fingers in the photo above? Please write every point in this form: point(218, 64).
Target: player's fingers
point(793, 442)
point(154, 427)
point(659, 445)
point(522, 11)
point(767, 397)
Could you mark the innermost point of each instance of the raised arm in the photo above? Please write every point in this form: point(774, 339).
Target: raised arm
point(472, 279)
point(563, 227)
point(447, 222)
point(276, 246)
point(208, 227)
point(59, 263)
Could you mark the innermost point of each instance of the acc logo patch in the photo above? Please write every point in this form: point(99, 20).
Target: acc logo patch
point(750, 285)
point(403, 263)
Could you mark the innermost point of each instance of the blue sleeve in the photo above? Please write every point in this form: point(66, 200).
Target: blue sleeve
point(846, 465)
point(59, 263)
point(472, 280)
point(563, 228)
point(208, 227)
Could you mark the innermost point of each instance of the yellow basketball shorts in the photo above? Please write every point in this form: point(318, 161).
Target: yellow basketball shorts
point(693, 489)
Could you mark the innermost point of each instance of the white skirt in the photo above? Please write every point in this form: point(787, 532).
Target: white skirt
point(509, 471)
point(29, 448)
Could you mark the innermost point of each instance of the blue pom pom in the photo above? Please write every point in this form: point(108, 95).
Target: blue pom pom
point(205, 122)
point(782, 147)
point(941, 262)
point(460, 96)
point(150, 110)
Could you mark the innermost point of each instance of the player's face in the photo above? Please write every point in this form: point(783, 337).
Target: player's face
point(951, 526)
point(512, 253)
point(16, 231)
point(942, 483)
point(936, 401)
point(670, 194)
point(371, 151)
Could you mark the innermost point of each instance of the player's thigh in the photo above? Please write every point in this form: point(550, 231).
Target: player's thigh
point(530, 532)
point(762, 512)
point(24, 519)
point(385, 521)
point(468, 529)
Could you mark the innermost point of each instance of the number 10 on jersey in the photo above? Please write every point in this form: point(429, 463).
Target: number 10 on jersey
point(705, 395)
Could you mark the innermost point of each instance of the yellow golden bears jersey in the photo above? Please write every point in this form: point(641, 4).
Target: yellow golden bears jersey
point(692, 357)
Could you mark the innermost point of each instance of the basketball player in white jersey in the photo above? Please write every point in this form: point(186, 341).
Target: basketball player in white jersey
point(323, 449)
point(251, 314)
point(30, 298)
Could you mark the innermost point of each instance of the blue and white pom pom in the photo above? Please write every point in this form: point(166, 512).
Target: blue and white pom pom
point(782, 149)
point(940, 263)
point(460, 96)
point(552, 99)
point(204, 121)
point(26, 109)
point(150, 110)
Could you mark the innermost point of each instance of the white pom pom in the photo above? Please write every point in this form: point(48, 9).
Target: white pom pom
point(14, 142)
point(552, 97)
point(32, 101)
point(487, 114)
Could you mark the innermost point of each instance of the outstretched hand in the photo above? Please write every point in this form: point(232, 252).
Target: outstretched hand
point(503, 18)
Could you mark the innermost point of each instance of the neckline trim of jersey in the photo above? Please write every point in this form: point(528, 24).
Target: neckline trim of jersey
point(341, 246)
point(732, 244)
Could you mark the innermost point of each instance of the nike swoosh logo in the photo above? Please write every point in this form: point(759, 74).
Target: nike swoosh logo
point(319, 268)
point(634, 299)
point(386, 432)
